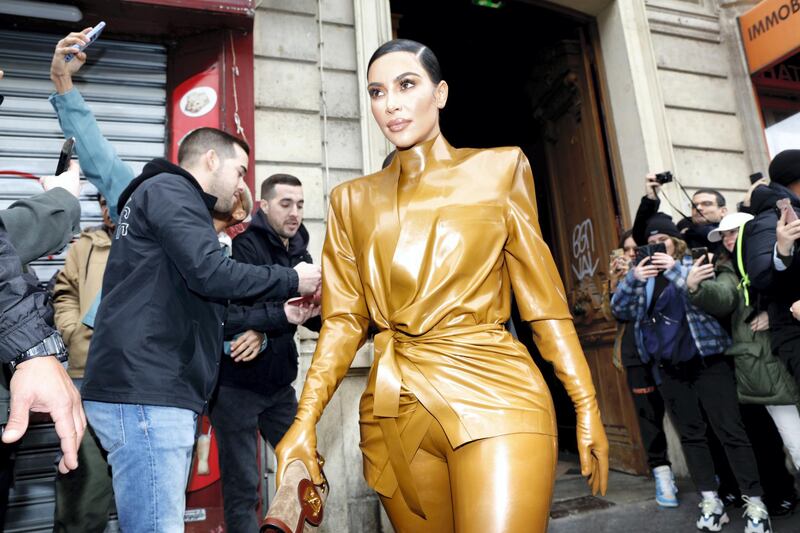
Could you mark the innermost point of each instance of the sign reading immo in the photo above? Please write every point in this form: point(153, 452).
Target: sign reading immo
point(770, 32)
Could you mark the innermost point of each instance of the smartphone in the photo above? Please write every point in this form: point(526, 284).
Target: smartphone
point(648, 251)
point(616, 253)
point(697, 253)
point(784, 204)
point(66, 155)
point(92, 35)
point(755, 177)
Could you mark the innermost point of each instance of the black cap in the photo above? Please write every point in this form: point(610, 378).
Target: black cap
point(661, 223)
point(785, 167)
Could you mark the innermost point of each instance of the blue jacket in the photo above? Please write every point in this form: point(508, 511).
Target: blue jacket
point(629, 303)
point(99, 161)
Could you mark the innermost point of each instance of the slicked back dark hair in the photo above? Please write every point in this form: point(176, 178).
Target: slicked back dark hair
point(202, 140)
point(425, 55)
point(268, 187)
point(720, 198)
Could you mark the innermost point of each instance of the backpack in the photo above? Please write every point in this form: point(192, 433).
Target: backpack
point(665, 331)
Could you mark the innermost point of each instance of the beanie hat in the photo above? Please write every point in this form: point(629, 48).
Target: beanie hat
point(785, 167)
point(661, 223)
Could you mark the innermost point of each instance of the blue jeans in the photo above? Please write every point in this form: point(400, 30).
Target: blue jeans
point(150, 452)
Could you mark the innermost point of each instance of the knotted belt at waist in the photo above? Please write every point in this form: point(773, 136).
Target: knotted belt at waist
point(388, 382)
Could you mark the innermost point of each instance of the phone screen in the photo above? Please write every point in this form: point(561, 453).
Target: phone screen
point(66, 155)
point(697, 253)
point(755, 177)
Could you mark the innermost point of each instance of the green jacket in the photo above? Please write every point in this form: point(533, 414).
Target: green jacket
point(42, 224)
point(760, 377)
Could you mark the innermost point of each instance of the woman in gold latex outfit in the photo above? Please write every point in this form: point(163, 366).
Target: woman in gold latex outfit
point(457, 425)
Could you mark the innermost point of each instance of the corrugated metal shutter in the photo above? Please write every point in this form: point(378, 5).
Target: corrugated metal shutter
point(125, 85)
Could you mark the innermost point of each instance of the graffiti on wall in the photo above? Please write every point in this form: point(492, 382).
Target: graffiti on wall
point(584, 264)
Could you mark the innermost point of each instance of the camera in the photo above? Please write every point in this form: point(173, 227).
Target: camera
point(664, 177)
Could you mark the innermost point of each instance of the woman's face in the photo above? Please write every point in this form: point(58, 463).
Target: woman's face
point(405, 101)
point(729, 239)
point(629, 246)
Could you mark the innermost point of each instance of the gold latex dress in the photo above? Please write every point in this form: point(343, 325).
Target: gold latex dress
point(427, 250)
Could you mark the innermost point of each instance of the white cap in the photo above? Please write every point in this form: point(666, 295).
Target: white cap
point(732, 221)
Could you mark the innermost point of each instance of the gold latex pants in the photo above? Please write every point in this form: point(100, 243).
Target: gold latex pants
point(497, 484)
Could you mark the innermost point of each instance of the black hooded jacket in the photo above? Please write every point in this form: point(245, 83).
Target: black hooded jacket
point(276, 366)
point(781, 288)
point(158, 331)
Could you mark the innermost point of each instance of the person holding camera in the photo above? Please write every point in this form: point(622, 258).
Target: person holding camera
point(684, 347)
point(647, 400)
point(761, 379)
point(708, 208)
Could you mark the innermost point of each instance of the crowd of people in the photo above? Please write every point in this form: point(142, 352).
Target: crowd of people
point(159, 316)
point(708, 313)
point(167, 285)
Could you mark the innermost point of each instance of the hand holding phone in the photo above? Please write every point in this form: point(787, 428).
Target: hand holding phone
point(92, 36)
point(785, 206)
point(697, 253)
point(788, 230)
point(69, 180)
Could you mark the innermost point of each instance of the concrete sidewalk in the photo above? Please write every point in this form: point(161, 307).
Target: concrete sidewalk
point(630, 507)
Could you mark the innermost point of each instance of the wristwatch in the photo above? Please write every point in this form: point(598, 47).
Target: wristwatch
point(50, 346)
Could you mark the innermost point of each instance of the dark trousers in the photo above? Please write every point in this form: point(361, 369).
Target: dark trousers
point(709, 383)
point(85, 496)
point(7, 458)
point(650, 411)
point(237, 416)
point(789, 353)
point(767, 444)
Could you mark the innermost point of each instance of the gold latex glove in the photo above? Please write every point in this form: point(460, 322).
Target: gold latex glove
point(558, 343)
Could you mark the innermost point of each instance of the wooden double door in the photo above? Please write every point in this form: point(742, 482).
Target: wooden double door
point(583, 219)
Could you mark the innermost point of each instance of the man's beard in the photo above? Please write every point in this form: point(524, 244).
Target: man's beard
point(224, 202)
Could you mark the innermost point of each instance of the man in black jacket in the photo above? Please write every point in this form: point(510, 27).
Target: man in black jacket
point(773, 264)
point(29, 342)
point(29, 229)
point(256, 394)
point(154, 355)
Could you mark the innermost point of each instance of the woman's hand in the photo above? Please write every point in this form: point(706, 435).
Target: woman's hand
point(618, 269)
point(246, 346)
point(593, 449)
point(644, 271)
point(760, 322)
point(299, 444)
point(663, 261)
point(698, 274)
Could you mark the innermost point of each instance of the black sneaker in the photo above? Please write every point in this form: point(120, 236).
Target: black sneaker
point(782, 507)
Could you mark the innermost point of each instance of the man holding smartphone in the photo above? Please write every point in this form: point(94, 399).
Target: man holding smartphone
point(772, 257)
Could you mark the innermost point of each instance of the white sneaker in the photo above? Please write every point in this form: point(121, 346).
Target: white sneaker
point(712, 515)
point(666, 491)
point(757, 516)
